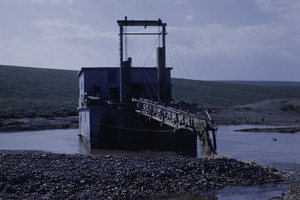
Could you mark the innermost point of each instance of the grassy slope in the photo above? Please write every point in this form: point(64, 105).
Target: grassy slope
point(220, 94)
point(265, 83)
point(37, 92)
point(32, 92)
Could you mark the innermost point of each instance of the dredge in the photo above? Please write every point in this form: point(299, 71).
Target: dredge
point(131, 108)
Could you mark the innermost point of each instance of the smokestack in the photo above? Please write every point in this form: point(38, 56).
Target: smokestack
point(161, 73)
point(125, 81)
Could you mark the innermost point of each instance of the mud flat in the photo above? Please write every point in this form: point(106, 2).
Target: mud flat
point(279, 129)
point(37, 175)
point(39, 123)
point(262, 113)
point(226, 116)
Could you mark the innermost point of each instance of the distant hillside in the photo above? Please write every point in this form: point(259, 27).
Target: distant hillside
point(225, 94)
point(33, 92)
point(265, 83)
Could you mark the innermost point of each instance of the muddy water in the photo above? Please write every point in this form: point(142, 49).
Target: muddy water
point(270, 149)
point(56, 141)
point(267, 148)
point(280, 150)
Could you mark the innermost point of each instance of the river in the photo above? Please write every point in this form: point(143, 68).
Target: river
point(280, 150)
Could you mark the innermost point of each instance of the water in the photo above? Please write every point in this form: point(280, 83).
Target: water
point(55, 141)
point(284, 153)
point(259, 146)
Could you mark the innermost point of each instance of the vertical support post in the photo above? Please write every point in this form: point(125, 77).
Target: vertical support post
point(164, 38)
point(125, 81)
point(207, 149)
point(162, 67)
point(214, 139)
point(121, 44)
point(122, 71)
point(161, 77)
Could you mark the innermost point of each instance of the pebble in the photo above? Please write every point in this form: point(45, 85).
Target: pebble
point(38, 175)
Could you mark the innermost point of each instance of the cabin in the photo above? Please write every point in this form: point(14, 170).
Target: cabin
point(104, 83)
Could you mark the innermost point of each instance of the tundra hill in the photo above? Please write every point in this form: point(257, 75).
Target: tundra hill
point(215, 94)
point(37, 92)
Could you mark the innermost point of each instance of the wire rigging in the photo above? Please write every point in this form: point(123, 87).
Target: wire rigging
point(144, 70)
point(174, 50)
point(171, 45)
point(139, 63)
point(156, 93)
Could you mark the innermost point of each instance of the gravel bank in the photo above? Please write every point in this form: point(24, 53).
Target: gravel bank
point(32, 175)
point(245, 115)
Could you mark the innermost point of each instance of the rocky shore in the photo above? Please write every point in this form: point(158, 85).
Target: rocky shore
point(38, 175)
point(266, 112)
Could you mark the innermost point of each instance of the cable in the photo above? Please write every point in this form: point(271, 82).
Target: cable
point(151, 51)
point(146, 75)
point(134, 52)
point(156, 93)
point(173, 47)
point(185, 68)
point(134, 129)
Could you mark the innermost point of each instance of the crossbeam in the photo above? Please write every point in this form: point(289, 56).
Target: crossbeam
point(144, 23)
point(142, 33)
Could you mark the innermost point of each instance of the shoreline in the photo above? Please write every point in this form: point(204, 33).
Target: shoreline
point(290, 130)
point(221, 116)
point(39, 123)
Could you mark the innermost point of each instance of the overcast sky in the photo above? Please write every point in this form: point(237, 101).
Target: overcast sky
point(206, 40)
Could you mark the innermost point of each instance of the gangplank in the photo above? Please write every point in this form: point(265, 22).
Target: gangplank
point(180, 120)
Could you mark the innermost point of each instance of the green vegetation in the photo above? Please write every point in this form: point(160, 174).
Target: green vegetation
point(290, 108)
point(36, 92)
point(265, 83)
point(224, 94)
